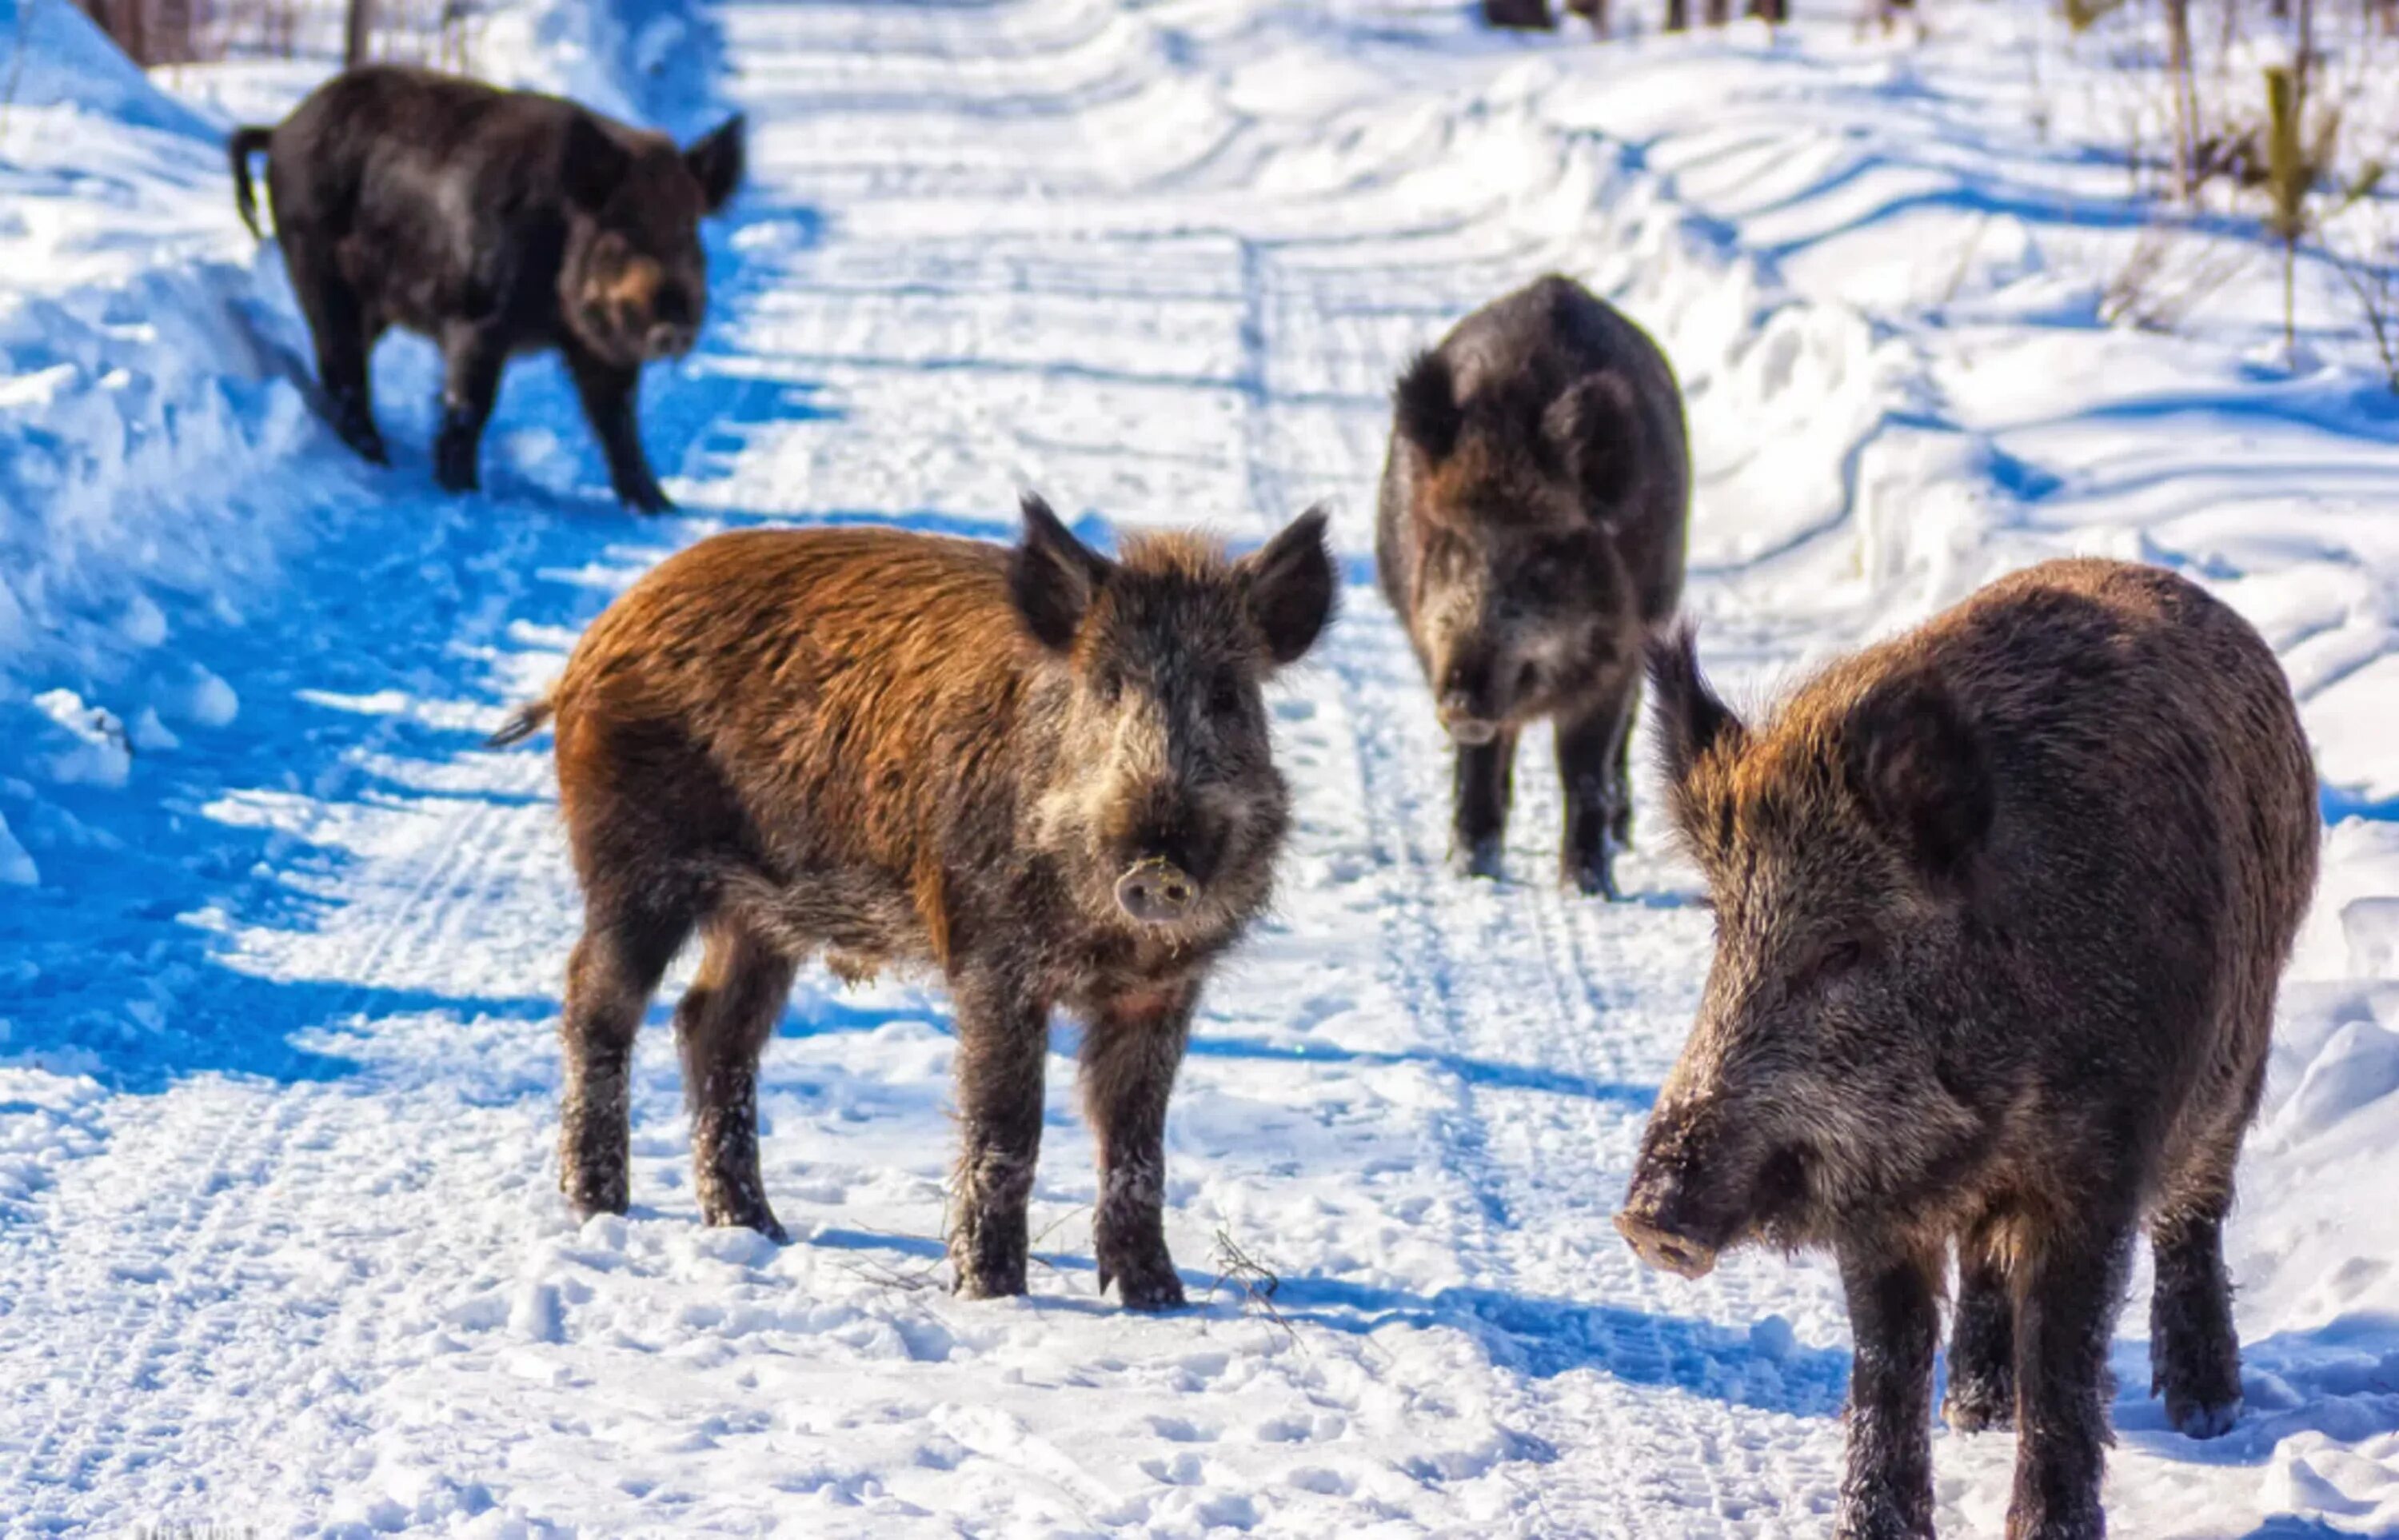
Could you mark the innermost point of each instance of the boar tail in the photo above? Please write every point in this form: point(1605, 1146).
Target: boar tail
point(523, 723)
point(246, 143)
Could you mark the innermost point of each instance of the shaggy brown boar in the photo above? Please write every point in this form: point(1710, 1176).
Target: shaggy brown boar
point(2000, 909)
point(1529, 532)
point(1043, 773)
point(494, 222)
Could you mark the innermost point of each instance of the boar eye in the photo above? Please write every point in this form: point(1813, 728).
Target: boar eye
point(1224, 696)
point(1840, 957)
point(1107, 684)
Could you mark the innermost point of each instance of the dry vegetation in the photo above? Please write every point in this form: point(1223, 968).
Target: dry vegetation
point(2279, 115)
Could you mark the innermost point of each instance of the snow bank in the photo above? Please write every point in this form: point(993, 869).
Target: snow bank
point(141, 388)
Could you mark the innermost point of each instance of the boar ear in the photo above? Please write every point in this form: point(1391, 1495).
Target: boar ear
point(1424, 406)
point(1918, 765)
point(1292, 584)
point(1691, 718)
point(717, 161)
point(1052, 577)
point(1596, 426)
point(595, 165)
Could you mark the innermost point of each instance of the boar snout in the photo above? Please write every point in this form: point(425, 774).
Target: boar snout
point(1707, 1179)
point(1156, 892)
point(1669, 1217)
point(665, 341)
point(1662, 1247)
point(1469, 712)
point(1464, 724)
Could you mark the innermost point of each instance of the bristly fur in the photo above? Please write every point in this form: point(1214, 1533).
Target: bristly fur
point(2002, 905)
point(905, 751)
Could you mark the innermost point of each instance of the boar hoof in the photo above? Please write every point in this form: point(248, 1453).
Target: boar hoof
point(1150, 1285)
point(354, 428)
point(584, 1199)
point(454, 459)
point(989, 1282)
point(2202, 1419)
point(1485, 858)
point(1594, 880)
point(1980, 1405)
point(761, 1219)
point(644, 496)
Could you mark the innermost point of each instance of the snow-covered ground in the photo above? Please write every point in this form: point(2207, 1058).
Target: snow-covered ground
point(279, 1242)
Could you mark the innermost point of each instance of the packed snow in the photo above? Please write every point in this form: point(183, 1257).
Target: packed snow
point(280, 941)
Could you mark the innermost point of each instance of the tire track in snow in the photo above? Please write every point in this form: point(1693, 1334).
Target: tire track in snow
point(180, 1235)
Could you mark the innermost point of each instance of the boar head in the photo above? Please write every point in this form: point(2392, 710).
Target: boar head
point(1830, 1083)
point(633, 283)
point(1162, 800)
point(1521, 606)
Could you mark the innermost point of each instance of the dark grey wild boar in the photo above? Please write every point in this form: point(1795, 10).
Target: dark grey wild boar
point(2001, 905)
point(494, 222)
point(1530, 532)
point(1042, 773)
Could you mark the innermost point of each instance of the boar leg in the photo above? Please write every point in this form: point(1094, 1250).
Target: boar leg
point(2067, 1293)
point(611, 397)
point(1591, 769)
point(722, 1026)
point(1982, 1341)
point(1485, 782)
point(2194, 1350)
point(1129, 1056)
point(1003, 1034)
point(1895, 1318)
point(614, 969)
point(338, 322)
point(472, 357)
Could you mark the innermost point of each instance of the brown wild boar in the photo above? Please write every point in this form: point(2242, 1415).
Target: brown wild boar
point(2001, 907)
point(1043, 773)
point(494, 222)
point(1529, 533)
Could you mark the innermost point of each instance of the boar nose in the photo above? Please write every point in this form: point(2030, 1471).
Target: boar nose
point(1156, 892)
point(1464, 724)
point(1657, 1241)
point(669, 342)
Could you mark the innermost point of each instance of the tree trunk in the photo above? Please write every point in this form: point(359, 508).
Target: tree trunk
point(2186, 113)
point(358, 34)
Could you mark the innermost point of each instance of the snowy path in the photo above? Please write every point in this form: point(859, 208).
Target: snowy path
point(306, 1268)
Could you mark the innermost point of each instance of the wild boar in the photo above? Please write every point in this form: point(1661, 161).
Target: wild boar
point(494, 222)
point(1519, 15)
point(1530, 532)
point(1040, 772)
point(2001, 905)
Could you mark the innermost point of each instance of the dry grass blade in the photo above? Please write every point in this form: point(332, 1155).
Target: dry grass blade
point(1256, 1282)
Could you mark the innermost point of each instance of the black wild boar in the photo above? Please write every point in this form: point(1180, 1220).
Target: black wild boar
point(2000, 906)
point(494, 222)
point(1529, 533)
point(1041, 772)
